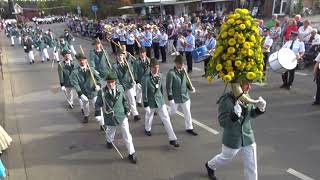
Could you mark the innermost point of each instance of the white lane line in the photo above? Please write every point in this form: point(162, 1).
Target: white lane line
point(298, 174)
point(197, 69)
point(260, 84)
point(209, 129)
point(302, 74)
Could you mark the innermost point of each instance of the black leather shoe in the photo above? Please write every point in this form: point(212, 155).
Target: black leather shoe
point(71, 106)
point(190, 131)
point(148, 133)
point(283, 86)
point(211, 173)
point(109, 145)
point(139, 104)
point(85, 119)
point(155, 114)
point(102, 128)
point(288, 87)
point(82, 111)
point(132, 158)
point(32, 61)
point(174, 143)
point(316, 103)
point(48, 59)
point(137, 118)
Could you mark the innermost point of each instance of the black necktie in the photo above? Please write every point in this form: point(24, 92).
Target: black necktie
point(112, 92)
point(291, 44)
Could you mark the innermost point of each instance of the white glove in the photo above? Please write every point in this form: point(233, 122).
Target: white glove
point(99, 119)
point(193, 90)
point(237, 109)
point(38, 48)
point(173, 107)
point(147, 109)
point(63, 88)
point(138, 85)
point(47, 46)
point(171, 102)
point(24, 47)
point(84, 98)
point(261, 104)
point(128, 114)
point(97, 88)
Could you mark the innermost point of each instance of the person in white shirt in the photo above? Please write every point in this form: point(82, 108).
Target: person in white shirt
point(163, 45)
point(210, 44)
point(316, 77)
point(266, 46)
point(313, 38)
point(304, 30)
point(297, 47)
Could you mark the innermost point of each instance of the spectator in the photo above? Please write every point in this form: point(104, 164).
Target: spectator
point(292, 27)
point(284, 26)
point(271, 23)
point(298, 20)
point(304, 30)
point(275, 32)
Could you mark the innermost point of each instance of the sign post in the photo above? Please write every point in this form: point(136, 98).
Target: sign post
point(94, 9)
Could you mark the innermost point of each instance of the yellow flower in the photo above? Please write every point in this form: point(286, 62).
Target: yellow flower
point(219, 49)
point(248, 67)
point(230, 21)
point(237, 63)
point(227, 78)
point(229, 63)
point(253, 39)
point(244, 11)
point(251, 75)
point(259, 74)
point(232, 42)
point(219, 67)
point(238, 22)
point(248, 23)
point(243, 51)
point(231, 50)
point(231, 32)
point(261, 67)
point(237, 16)
point(229, 69)
point(231, 74)
point(250, 52)
point(220, 74)
point(242, 26)
point(246, 45)
point(224, 35)
point(241, 40)
point(210, 79)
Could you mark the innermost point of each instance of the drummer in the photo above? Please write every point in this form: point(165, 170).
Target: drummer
point(297, 47)
point(210, 43)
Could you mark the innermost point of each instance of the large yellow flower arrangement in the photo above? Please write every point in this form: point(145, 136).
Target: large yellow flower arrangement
point(238, 56)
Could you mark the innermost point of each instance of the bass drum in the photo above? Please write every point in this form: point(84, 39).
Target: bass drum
point(283, 60)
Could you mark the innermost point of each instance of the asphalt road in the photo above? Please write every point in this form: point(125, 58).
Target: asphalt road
point(52, 143)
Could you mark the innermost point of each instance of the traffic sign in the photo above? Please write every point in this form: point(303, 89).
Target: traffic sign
point(94, 8)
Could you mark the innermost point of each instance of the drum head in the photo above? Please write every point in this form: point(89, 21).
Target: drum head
point(287, 58)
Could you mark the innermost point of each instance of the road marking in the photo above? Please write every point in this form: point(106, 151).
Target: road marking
point(197, 69)
point(260, 84)
point(209, 129)
point(302, 74)
point(298, 174)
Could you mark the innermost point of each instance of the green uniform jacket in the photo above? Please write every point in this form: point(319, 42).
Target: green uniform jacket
point(83, 82)
point(14, 32)
point(65, 71)
point(63, 47)
point(118, 104)
point(40, 43)
point(123, 75)
point(69, 38)
point(98, 61)
point(237, 131)
point(151, 95)
point(140, 69)
point(177, 86)
point(52, 42)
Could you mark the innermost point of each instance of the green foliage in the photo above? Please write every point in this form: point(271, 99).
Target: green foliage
point(298, 8)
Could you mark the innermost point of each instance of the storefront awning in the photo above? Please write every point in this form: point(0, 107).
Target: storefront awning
point(158, 4)
point(211, 1)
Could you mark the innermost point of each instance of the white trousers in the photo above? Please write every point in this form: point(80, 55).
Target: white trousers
point(130, 93)
point(170, 45)
point(54, 53)
point(126, 135)
point(86, 107)
point(249, 157)
point(30, 56)
point(138, 94)
point(70, 97)
point(12, 39)
point(186, 112)
point(43, 54)
point(73, 50)
point(164, 116)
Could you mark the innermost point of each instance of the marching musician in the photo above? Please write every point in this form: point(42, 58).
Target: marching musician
point(163, 45)
point(115, 39)
point(141, 68)
point(267, 44)
point(98, 60)
point(235, 118)
point(69, 38)
point(147, 40)
point(40, 44)
point(210, 43)
point(121, 67)
point(65, 69)
point(189, 47)
point(122, 34)
point(155, 41)
point(27, 44)
point(63, 45)
point(86, 81)
point(52, 43)
point(153, 100)
point(130, 40)
point(297, 47)
point(14, 33)
point(112, 100)
point(178, 86)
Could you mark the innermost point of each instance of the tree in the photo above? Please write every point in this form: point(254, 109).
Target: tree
point(298, 8)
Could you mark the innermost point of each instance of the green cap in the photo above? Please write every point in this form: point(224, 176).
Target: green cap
point(80, 56)
point(64, 52)
point(111, 76)
point(153, 62)
point(120, 51)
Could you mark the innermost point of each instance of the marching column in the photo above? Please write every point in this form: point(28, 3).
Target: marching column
point(27, 46)
point(152, 91)
point(177, 89)
point(115, 110)
point(98, 60)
